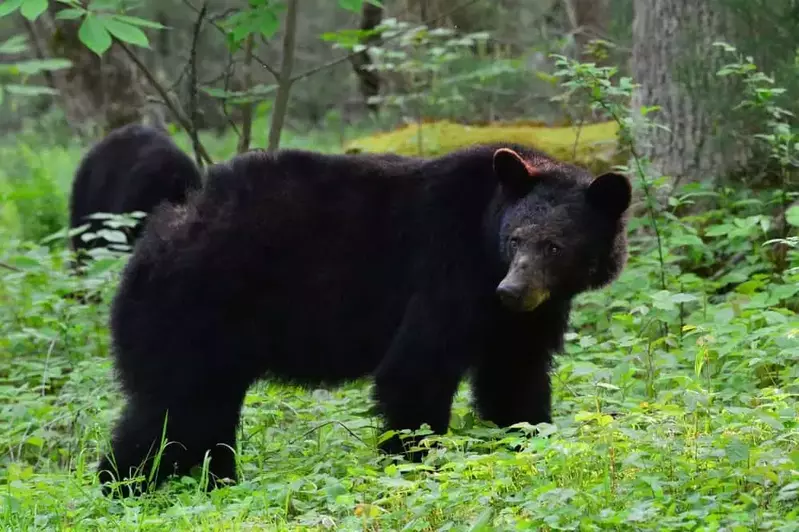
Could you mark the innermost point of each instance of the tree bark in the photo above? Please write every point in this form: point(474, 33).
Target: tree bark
point(96, 92)
point(247, 109)
point(589, 20)
point(675, 64)
point(285, 80)
point(368, 80)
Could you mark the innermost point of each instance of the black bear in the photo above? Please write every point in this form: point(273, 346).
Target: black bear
point(318, 269)
point(134, 168)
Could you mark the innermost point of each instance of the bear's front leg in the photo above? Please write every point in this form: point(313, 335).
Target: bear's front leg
point(510, 381)
point(514, 390)
point(418, 377)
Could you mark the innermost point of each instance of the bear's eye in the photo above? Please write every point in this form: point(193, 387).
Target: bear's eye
point(513, 243)
point(550, 248)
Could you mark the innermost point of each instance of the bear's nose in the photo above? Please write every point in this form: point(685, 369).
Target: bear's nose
point(509, 294)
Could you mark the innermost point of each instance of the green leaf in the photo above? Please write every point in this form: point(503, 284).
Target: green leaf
point(24, 262)
point(70, 14)
point(792, 215)
point(724, 316)
point(126, 32)
point(483, 521)
point(98, 5)
point(36, 441)
point(38, 65)
point(15, 45)
point(261, 20)
point(101, 266)
point(351, 5)
point(30, 90)
point(718, 230)
point(94, 35)
point(136, 21)
point(113, 236)
point(31, 9)
point(737, 451)
point(699, 362)
point(683, 298)
point(9, 6)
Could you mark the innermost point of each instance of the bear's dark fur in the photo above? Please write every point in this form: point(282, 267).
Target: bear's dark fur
point(317, 269)
point(133, 168)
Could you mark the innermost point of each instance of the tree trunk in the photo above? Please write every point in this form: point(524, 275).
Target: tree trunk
point(368, 80)
point(284, 80)
point(97, 93)
point(675, 63)
point(589, 20)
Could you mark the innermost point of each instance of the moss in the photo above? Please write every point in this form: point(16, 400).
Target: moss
point(596, 144)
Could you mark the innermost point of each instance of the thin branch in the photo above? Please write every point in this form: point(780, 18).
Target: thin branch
point(284, 81)
point(248, 107)
point(343, 58)
point(174, 107)
point(9, 267)
point(284, 77)
point(38, 48)
point(227, 77)
point(222, 30)
point(193, 106)
point(175, 84)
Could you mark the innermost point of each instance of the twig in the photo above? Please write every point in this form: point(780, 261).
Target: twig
point(38, 48)
point(47, 365)
point(247, 108)
point(284, 81)
point(732, 262)
point(343, 58)
point(216, 25)
point(174, 107)
point(228, 75)
point(175, 84)
point(193, 111)
point(9, 267)
point(284, 77)
point(325, 424)
point(650, 201)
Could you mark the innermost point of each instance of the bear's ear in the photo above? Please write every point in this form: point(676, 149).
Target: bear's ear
point(515, 174)
point(610, 192)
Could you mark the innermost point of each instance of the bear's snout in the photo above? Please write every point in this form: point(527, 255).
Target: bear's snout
point(511, 295)
point(521, 297)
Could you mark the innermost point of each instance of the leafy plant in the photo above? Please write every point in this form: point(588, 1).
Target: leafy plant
point(24, 69)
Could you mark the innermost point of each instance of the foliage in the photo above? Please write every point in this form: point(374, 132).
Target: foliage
point(102, 20)
point(429, 72)
point(24, 69)
point(31, 194)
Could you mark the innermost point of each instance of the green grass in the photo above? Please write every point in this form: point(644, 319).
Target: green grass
point(674, 409)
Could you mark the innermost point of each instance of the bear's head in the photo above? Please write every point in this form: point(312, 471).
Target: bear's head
point(561, 231)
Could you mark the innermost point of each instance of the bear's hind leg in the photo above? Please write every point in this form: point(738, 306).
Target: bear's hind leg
point(206, 423)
